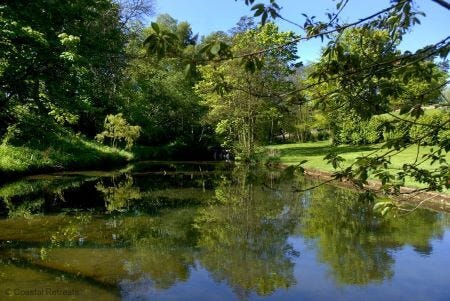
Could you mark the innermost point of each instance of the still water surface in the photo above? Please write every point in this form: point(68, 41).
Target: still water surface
point(192, 231)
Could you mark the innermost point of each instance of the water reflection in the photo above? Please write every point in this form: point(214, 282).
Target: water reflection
point(356, 242)
point(119, 194)
point(126, 231)
point(243, 240)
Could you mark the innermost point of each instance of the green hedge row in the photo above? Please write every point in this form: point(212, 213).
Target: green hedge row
point(428, 129)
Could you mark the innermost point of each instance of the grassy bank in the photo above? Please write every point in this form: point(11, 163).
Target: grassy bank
point(314, 153)
point(66, 153)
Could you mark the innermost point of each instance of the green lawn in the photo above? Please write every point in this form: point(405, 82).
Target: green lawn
point(314, 152)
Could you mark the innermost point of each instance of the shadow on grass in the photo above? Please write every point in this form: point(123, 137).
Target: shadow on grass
point(323, 150)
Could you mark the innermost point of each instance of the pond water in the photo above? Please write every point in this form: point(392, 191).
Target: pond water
point(192, 231)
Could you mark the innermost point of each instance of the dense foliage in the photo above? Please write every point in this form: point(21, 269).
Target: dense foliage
point(239, 107)
point(59, 60)
point(361, 74)
point(93, 68)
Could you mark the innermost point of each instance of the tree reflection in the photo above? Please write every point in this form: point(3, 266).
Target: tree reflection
point(355, 241)
point(164, 246)
point(118, 196)
point(243, 241)
point(238, 228)
point(27, 197)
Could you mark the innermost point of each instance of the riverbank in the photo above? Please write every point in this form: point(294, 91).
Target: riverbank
point(314, 152)
point(68, 153)
point(408, 195)
point(317, 167)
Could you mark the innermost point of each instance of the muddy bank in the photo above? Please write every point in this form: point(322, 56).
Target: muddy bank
point(408, 195)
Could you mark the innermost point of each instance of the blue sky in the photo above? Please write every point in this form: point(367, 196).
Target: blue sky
point(207, 16)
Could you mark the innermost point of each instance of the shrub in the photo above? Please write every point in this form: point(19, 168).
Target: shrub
point(31, 128)
point(429, 129)
point(117, 130)
point(444, 139)
point(374, 130)
point(323, 135)
point(353, 130)
point(426, 132)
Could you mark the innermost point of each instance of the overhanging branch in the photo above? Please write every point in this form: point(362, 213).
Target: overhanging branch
point(443, 3)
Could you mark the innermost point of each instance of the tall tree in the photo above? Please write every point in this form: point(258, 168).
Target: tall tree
point(60, 58)
point(157, 92)
point(238, 98)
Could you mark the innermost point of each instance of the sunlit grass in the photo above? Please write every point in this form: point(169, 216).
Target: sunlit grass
point(66, 153)
point(314, 153)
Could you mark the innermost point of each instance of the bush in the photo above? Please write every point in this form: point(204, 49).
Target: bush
point(356, 131)
point(31, 128)
point(323, 135)
point(374, 130)
point(444, 139)
point(430, 129)
point(428, 135)
point(353, 130)
point(117, 129)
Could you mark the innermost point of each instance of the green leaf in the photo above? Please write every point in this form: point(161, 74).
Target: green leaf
point(258, 8)
point(215, 49)
point(273, 13)
point(264, 18)
point(187, 70)
point(155, 27)
point(205, 48)
point(417, 111)
point(443, 52)
point(385, 210)
point(380, 205)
